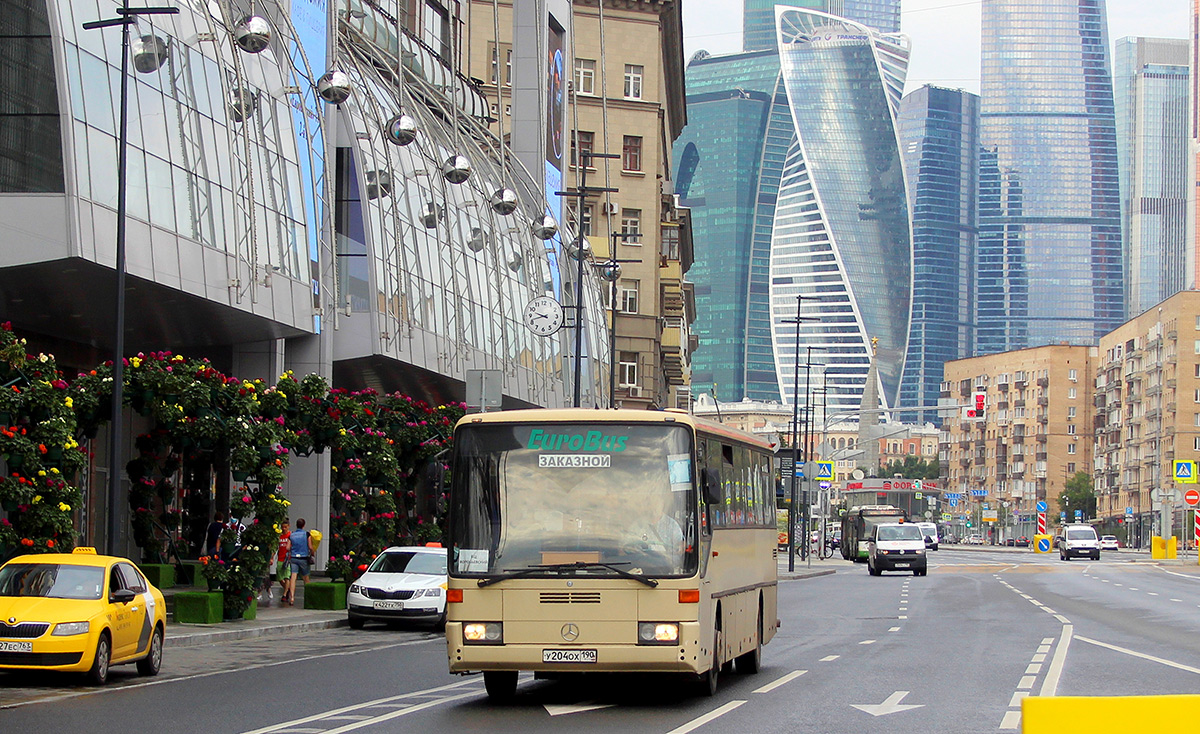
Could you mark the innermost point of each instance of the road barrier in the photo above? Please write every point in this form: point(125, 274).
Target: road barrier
point(1164, 547)
point(1043, 544)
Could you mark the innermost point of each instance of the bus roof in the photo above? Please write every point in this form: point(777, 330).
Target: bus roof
point(618, 415)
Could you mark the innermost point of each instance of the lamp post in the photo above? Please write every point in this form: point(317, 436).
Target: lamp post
point(615, 265)
point(128, 17)
point(795, 425)
point(585, 161)
point(808, 431)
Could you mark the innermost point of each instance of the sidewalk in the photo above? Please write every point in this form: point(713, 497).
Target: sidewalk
point(272, 620)
point(806, 570)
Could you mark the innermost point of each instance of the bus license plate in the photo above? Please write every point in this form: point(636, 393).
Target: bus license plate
point(6, 646)
point(568, 656)
point(389, 605)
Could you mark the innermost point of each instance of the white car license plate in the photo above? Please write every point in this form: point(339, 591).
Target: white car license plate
point(6, 646)
point(389, 605)
point(568, 656)
point(902, 565)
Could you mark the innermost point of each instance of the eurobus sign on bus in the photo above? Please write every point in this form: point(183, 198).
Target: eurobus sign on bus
point(608, 541)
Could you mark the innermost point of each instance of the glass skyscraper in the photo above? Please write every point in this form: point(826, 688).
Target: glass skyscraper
point(842, 234)
point(758, 19)
point(939, 134)
point(1150, 77)
point(1050, 261)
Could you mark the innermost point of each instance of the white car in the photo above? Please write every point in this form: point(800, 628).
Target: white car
point(974, 540)
point(1109, 542)
point(401, 584)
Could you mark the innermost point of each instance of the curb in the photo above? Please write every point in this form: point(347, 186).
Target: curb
point(245, 633)
point(800, 576)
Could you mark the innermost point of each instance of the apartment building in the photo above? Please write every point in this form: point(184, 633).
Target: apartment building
point(1146, 371)
point(625, 98)
point(1035, 434)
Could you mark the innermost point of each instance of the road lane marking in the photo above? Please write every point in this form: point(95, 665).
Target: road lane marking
point(401, 712)
point(905, 616)
point(1062, 619)
point(894, 629)
point(1047, 641)
point(702, 720)
point(867, 642)
point(1011, 720)
point(575, 708)
point(1142, 655)
point(890, 705)
point(1132, 588)
point(1050, 684)
point(781, 681)
point(828, 658)
point(1177, 600)
point(1152, 593)
point(1033, 669)
point(1039, 658)
point(1017, 697)
point(1027, 682)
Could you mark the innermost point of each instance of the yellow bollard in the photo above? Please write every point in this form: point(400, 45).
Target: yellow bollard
point(1173, 547)
point(1088, 715)
point(1043, 543)
point(1158, 547)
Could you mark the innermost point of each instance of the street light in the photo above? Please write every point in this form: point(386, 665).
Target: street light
point(614, 272)
point(128, 17)
point(795, 424)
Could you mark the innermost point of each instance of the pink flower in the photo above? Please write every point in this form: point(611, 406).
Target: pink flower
point(245, 499)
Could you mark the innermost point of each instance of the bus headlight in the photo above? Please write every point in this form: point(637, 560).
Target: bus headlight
point(658, 633)
point(483, 633)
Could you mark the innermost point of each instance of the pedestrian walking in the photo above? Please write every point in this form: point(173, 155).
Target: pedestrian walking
point(212, 536)
point(283, 568)
point(300, 557)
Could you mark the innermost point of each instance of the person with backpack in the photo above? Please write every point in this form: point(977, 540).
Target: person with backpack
point(300, 557)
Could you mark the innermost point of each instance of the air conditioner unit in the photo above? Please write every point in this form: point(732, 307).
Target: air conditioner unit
point(635, 391)
point(610, 207)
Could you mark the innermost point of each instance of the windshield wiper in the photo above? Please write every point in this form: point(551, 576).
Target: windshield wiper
point(575, 566)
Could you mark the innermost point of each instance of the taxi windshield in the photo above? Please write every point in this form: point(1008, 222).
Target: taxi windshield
point(433, 564)
point(52, 580)
point(588, 496)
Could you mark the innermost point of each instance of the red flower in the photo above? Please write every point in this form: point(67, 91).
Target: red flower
point(49, 543)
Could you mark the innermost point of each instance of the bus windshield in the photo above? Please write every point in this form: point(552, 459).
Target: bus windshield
point(573, 497)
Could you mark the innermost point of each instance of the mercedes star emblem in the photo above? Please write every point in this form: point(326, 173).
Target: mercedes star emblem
point(570, 632)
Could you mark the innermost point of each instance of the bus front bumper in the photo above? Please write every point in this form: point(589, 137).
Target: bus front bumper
point(527, 654)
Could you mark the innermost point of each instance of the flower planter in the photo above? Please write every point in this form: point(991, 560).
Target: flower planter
point(240, 476)
point(54, 454)
point(161, 575)
point(198, 607)
point(251, 612)
point(15, 461)
point(325, 595)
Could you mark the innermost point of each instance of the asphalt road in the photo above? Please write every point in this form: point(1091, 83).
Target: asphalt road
point(951, 652)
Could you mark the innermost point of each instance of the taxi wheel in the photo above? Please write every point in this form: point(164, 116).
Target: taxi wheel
point(150, 664)
point(98, 675)
point(356, 623)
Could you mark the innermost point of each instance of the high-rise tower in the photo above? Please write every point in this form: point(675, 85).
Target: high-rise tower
point(758, 19)
point(1050, 262)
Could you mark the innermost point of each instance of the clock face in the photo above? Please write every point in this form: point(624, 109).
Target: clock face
point(543, 316)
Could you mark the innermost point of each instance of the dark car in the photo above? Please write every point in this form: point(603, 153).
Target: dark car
point(1023, 542)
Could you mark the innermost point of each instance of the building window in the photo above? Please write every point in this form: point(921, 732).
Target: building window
point(1070, 429)
point(589, 216)
point(669, 238)
point(1196, 443)
point(633, 81)
point(631, 226)
point(1071, 393)
point(1196, 399)
point(627, 369)
point(505, 50)
point(1073, 375)
point(1196, 345)
point(436, 29)
point(1070, 448)
point(629, 297)
point(631, 154)
point(585, 76)
point(1196, 419)
point(1198, 323)
point(1071, 468)
point(1196, 370)
point(584, 145)
point(1071, 411)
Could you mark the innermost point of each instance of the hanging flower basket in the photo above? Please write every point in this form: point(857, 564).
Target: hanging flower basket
point(240, 476)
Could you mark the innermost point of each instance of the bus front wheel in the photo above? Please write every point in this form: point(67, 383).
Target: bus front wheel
point(501, 685)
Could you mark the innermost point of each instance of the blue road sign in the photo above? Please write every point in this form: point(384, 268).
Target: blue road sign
point(1185, 471)
point(825, 485)
point(1062, 516)
point(1044, 545)
point(1078, 514)
point(1041, 506)
point(1128, 510)
point(824, 470)
point(953, 502)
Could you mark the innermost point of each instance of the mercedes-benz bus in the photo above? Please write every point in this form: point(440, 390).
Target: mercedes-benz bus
point(608, 541)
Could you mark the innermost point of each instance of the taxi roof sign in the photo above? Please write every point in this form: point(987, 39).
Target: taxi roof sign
point(85, 550)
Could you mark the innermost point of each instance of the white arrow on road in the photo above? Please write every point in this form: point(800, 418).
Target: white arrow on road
point(890, 705)
point(575, 708)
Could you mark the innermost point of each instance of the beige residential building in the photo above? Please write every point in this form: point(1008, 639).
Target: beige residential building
point(1147, 369)
point(1036, 433)
point(626, 99)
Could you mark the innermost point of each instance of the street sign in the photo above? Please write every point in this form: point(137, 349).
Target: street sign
point(1079, 514)
point(1062, 516)
point(990, 516)
point(825, 470)
point(1185, 472)
point(1043, 545)
point(1041, 506)
point(1041, 521)
point(918, 495)
point(1192, 496)
point(952, 502)
point(825, 485)
point(945, 517)
point(1129, 511)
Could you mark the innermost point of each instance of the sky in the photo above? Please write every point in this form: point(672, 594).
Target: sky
point(944, 33)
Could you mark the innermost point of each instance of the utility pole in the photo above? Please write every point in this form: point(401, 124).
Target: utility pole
point(795, 426)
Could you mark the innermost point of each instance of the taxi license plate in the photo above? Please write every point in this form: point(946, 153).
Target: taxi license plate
point(389, 605)
point(902, 565)
point(6, 646)
point(568, 656)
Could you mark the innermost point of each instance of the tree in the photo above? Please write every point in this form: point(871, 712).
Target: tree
point(1078, 495)
point(911, 468)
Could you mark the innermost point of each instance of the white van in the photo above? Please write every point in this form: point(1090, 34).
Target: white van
point(930, 532)
point(896, 546)
point(1078, 539)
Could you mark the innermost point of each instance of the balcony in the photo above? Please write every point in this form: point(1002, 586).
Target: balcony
point(1002, 405)
point(1171, 382)
point(1020, 403)
point(1043, 419)
point(964, 461)
point(1172, 334)
point(1042, 438)
point(1043, 382)
point(965, 443)
point(1021, 382)
point(1043, 401)
point(1040, 456)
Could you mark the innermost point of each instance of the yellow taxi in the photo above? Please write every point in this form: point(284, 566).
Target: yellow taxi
point(79, 612)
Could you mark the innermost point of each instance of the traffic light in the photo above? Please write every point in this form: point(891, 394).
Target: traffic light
point(979, 406)
point(968, 523)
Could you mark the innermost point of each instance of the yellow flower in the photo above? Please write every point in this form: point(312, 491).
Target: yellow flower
point(41, 472)
point(286, 503)
point(135, 362)
point(282, 394)
point(37, 498)
point(54, 470)
point(64, 507)
point(341, 431)
point(69, 402)
point(277, 528)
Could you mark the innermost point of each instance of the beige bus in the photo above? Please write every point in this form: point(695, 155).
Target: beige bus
point(608, 541)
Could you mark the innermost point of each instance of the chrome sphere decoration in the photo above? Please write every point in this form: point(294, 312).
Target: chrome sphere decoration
point(609, 270)
point(149, 53)
point(334, 86)
point(401, 130)
point(544, 227)
point(431, 215)
point(253, 34)
point(242, 104)
point(575, 250)
point(504, 202)
point(379, 184)
point(456, 169)
point(478, 240)
point(516, 261)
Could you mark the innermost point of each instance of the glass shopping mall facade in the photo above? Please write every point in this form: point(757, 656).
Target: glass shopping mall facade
point(269, 226)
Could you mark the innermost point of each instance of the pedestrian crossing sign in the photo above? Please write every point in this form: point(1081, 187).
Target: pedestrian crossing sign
point(1185, 472)
point(825, 470)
